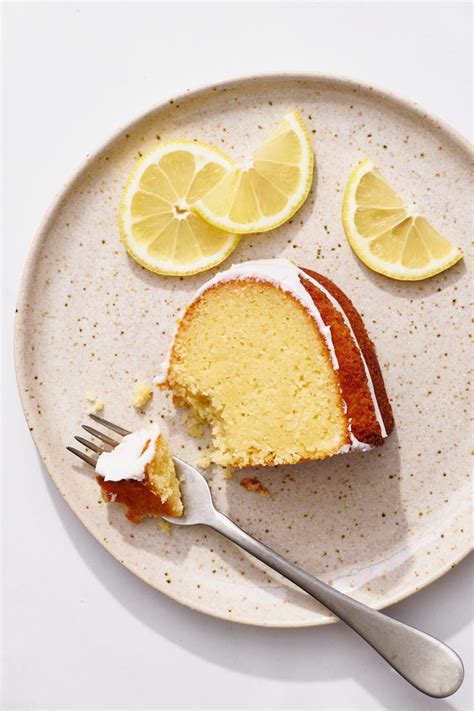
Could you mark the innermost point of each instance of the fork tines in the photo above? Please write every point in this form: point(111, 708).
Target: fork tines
point(99, 435)
point(85, 457)
point(110, 425)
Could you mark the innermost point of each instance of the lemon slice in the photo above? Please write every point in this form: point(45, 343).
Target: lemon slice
point(157, 224)
point(386, 236)
point(269, 189)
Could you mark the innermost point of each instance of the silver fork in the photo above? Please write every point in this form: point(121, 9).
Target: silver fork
point(425, 662)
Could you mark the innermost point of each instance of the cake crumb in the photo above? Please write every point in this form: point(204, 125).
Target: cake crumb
point(164, 526)
point(194, 429)
point(142, 393)
point(254, 485)
point(192, 423)
point(205, 460)
point(228, 473)
point(96, 404)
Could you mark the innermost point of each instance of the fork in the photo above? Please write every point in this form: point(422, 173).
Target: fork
point(424, 661)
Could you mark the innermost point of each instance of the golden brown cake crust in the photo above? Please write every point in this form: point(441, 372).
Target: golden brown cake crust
point(151, 496)
point(355, 390)
point(138, 497)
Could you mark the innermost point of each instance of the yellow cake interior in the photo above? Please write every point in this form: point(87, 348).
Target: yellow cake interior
point(163, 479)
point(250, 361)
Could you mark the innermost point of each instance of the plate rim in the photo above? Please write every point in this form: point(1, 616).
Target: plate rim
point(343, 82)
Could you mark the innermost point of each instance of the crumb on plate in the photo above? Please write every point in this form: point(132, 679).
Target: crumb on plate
point(164, 526)
point(204, 460)
point(96, 404)
point(193, 424)
point(254, 485)
point(142, 393)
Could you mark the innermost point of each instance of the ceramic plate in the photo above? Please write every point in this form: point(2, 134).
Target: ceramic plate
point(377, 525)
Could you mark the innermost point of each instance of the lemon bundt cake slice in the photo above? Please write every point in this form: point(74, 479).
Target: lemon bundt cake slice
point(277, 361)
point(140, 474)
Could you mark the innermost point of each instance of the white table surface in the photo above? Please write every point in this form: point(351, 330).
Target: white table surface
point(79, 630)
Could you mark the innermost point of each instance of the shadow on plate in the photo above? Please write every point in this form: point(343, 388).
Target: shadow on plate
point(341, 519)
point(307, 654)
point(414, 290)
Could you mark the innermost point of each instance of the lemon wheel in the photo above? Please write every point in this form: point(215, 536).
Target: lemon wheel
point(157, 223)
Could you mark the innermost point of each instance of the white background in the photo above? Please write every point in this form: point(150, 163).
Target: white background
point(79, 631)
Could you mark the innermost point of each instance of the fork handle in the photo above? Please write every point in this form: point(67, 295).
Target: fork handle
point(425, 662)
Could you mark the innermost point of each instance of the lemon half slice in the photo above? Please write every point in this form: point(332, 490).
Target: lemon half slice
point(269, 189)
point(386, 236)
point(157, 224)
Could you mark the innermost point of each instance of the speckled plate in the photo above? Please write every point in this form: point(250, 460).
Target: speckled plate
point(378, 525)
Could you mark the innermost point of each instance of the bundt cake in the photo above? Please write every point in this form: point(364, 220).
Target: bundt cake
point(140, 474)
point(277, 361)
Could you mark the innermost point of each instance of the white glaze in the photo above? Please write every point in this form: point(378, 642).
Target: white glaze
point(129, 459)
